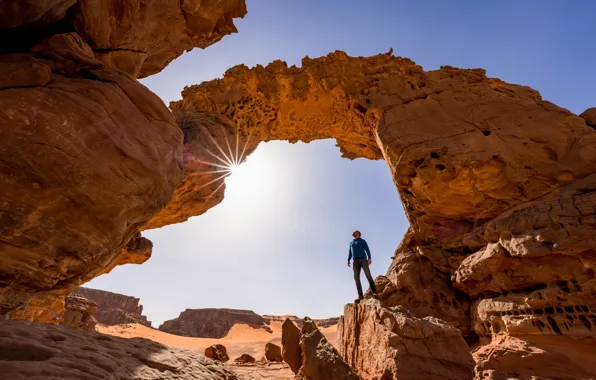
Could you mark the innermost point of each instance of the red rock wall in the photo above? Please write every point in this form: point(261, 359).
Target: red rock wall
point(114, 308)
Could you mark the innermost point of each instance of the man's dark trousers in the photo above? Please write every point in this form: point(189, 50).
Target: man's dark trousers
point(363, 264)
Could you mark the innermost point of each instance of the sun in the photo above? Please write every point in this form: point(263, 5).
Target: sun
point(233, 168)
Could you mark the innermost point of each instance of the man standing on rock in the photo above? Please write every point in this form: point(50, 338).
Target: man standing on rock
point(361, 253)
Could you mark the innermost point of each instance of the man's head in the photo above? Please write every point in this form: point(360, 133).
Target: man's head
point(356, 234)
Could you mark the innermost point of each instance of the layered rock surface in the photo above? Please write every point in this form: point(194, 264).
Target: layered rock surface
point(211, 323)
point(33, 350)
point(87, 155)
point(389, 343)
point(114, 308)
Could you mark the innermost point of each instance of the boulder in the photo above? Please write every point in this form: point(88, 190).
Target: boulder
point(273, 352)
point(217, 352)
point(389, 343)
point(320, 360)
point(244, 359)
point(290, 342)
point(30, 350)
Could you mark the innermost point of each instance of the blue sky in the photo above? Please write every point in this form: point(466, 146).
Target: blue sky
point(278, 242)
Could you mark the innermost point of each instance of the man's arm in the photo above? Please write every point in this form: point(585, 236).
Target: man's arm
point(367, 250)
point(349, 253)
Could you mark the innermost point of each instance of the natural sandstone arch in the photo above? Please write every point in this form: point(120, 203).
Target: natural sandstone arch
point(462, 149)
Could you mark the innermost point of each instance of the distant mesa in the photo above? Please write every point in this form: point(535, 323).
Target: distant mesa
point(216, 323)
point(113, 308)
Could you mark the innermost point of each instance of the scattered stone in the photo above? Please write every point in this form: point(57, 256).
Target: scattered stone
point(244, 359)
point(217, 352)
point(273, 352)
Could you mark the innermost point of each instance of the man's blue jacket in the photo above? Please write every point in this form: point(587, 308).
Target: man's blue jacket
point(359, 249)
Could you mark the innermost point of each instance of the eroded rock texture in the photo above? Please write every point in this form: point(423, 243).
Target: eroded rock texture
point(30, 350)
point(389, 343)
point(211, 323)
point(114, 308)
point(87, 154)
point(496, 182)
point(79, 312)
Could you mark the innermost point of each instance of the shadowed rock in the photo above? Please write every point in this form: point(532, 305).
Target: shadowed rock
point(33, 350)
point(244, 359)
point(320, 360)
point(290, 342)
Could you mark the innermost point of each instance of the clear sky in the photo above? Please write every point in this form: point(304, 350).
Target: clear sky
point(278, 243)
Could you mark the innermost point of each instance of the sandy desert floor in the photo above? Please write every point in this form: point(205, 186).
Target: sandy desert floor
point(242, 339)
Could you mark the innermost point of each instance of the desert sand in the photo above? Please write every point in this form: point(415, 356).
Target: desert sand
point(242, 339)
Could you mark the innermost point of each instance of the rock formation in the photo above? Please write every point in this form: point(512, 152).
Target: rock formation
point(33, 350)
point(319, 359)
point(211, 323)
point(217, 352)
point(88, 155)
point(390, 343)
point(290, 343)
point(273, 352)
point(244, 359)
point(114, 308)
point(496, 182)
point(79, 312)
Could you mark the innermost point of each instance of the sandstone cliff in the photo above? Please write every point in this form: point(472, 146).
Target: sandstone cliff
point(211, 323)
point(114, 308)
point(79, 312)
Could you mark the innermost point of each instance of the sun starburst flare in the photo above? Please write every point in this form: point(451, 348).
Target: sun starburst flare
point(223, 163)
